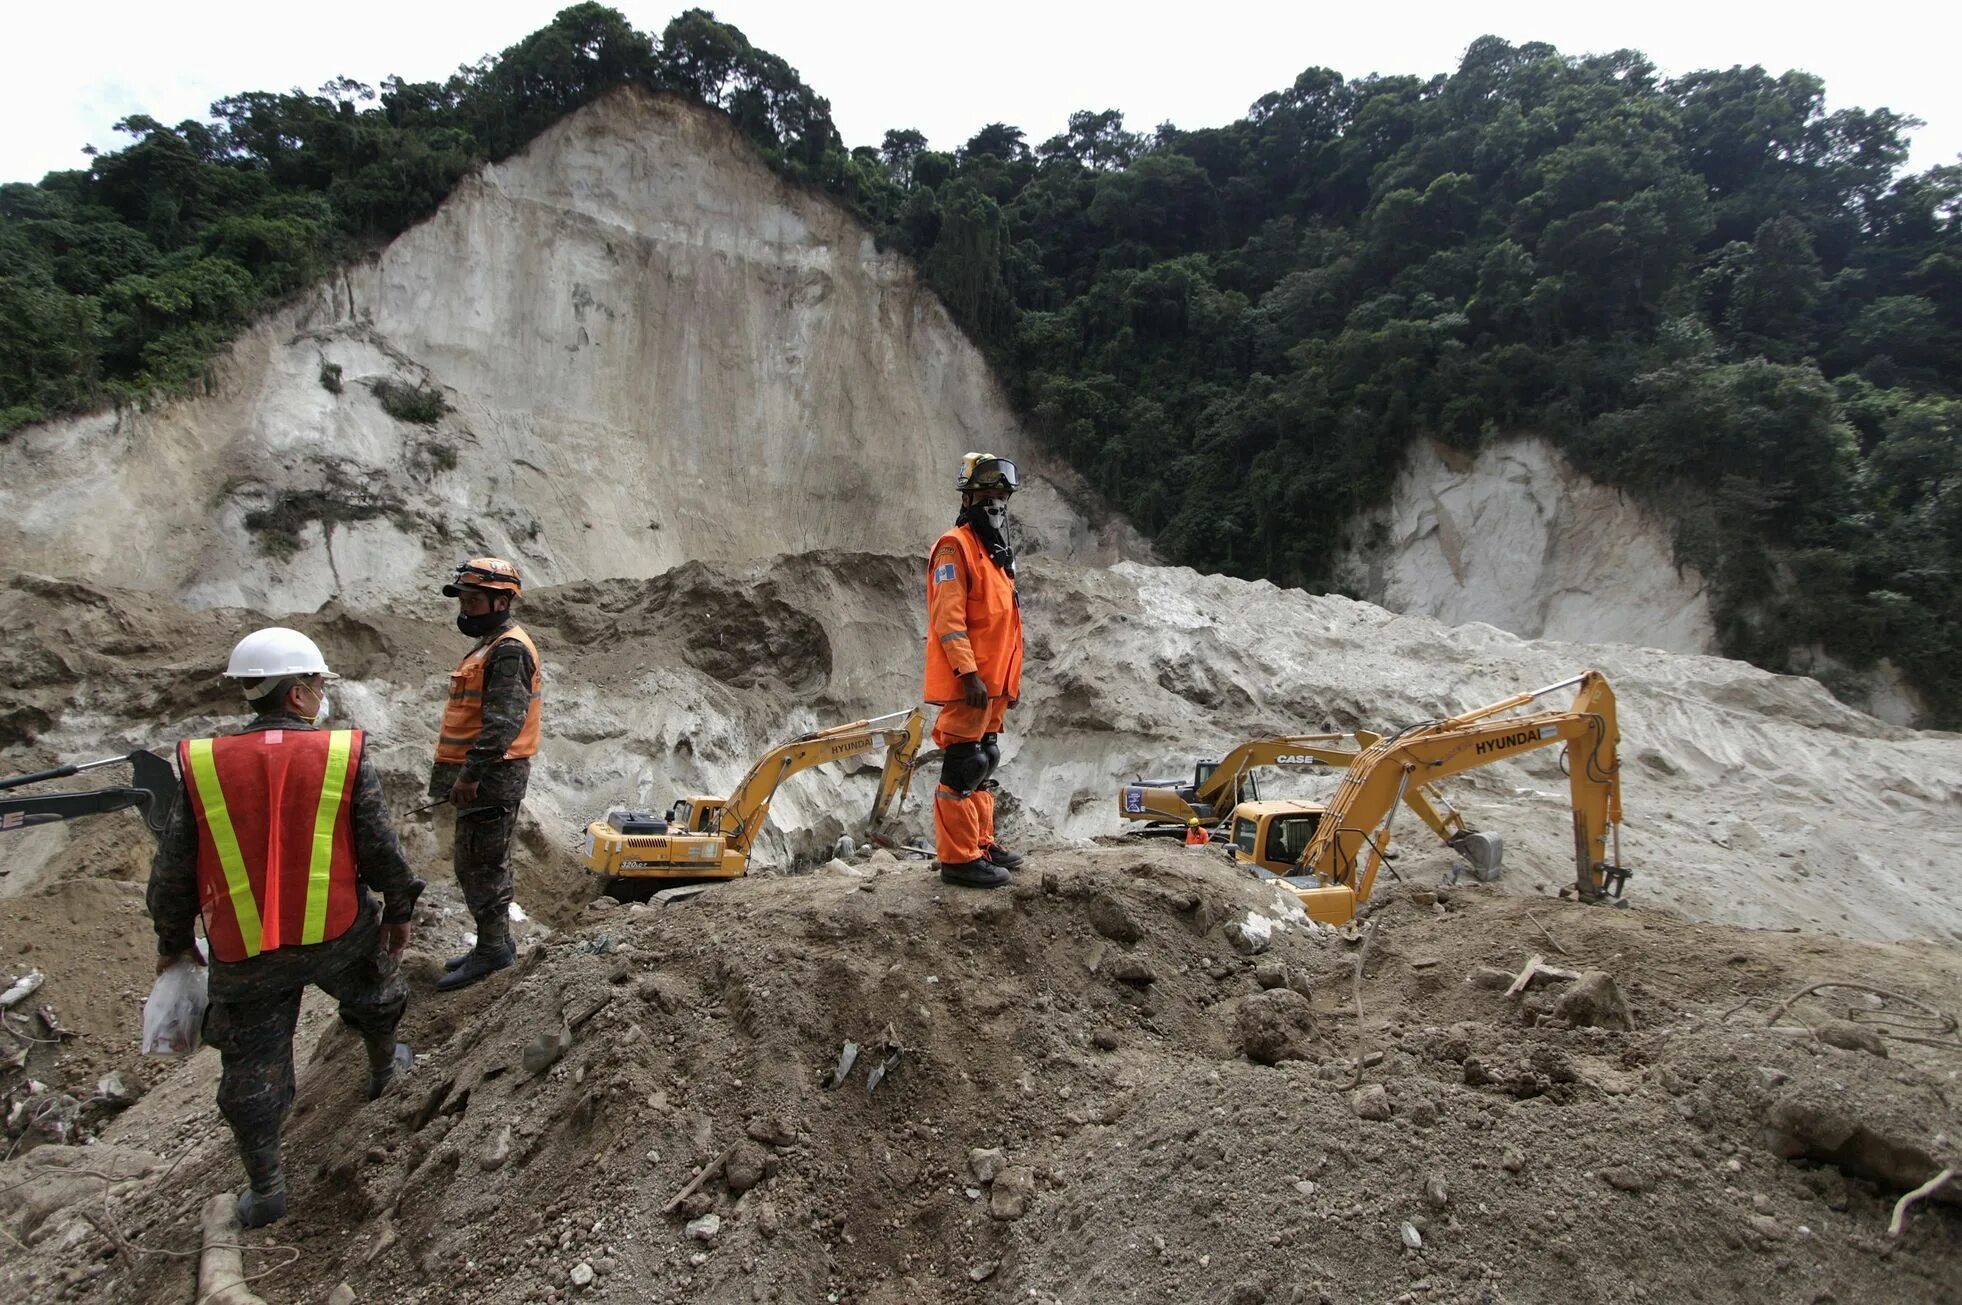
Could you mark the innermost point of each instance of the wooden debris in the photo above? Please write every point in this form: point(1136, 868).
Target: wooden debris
point(708, 1169)
point(1537, 970)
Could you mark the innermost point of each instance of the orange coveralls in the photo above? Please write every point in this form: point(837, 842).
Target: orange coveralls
point(974, 624)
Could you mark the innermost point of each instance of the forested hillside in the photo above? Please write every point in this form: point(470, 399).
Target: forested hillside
point(1707, 289)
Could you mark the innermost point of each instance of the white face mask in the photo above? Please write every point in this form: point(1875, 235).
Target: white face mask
point(320, 716)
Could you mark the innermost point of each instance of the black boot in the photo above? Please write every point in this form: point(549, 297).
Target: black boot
point(479, 964)
point(978, 873)
point(264, 1198)
point(1002, 857)
point(456, 962)
point(384, 1063)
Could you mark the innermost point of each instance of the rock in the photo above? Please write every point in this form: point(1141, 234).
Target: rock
point(1766, 1227)
point(771, 1130)
point(704, 1229)
point(744, 1167)
point(1848, 1036)
point(1134, 970)
point(496, 1151)
point(1513, 1160)
point(1594, 1002)
point(111, 1088)
point(1484, 976)
point(1251, 935)
point(582, 1274)
point(660, 990)
point(1274, 1026)
point(1013, 1188)
point(1050, 883)
point(1411, 1237)
point(1372, 1102)
point(1271, 974)
point(341, 1295)
point(1625, 1179)
point(543, 1051)
point(1436, 1194)
point(1104, 1040)
point(768, 1221)
point(983, 1271)
point(1112, 919)
point(697, 1205)
point(984, 1165)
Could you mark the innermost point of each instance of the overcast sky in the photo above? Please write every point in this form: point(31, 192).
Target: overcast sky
point(70, 68)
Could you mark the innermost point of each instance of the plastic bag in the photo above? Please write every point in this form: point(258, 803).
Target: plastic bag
point(173, 1017)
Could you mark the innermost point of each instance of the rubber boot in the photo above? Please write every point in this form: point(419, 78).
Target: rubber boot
point(456, 962)
point(972, 874)
point(264, 1198)
point(384, 1063)
point(494, 951)
point(1001, 856)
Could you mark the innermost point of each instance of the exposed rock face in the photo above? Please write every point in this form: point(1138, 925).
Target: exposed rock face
point(655, 350)
point(1516, 538)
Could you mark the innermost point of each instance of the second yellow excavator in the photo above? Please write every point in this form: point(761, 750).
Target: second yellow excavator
point(1342, 846)
point(704, 838)
point(1221, 790)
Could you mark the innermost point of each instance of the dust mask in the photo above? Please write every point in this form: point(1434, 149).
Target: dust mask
point(320, 713)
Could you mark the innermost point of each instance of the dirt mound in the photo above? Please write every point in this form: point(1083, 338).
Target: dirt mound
point(1069, 1111)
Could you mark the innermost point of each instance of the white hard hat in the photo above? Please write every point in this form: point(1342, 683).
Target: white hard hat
point(272, 654)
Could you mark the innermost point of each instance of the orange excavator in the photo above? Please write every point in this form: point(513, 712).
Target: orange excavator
point(1343, 844)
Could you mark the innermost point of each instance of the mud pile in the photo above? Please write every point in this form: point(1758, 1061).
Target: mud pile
point(1094, 1090)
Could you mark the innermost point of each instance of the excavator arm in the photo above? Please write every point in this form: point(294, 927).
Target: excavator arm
point(1346, 851)
point(743, 815)
point(153, 791)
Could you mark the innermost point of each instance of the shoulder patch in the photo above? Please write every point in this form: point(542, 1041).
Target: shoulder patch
point(943, 573)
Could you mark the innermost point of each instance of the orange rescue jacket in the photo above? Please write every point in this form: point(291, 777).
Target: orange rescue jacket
point(974, 620)
point(274, 812)
point(463, 716)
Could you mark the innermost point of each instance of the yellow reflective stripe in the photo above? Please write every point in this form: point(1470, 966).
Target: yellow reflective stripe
point(218, 823)
point(333, 790)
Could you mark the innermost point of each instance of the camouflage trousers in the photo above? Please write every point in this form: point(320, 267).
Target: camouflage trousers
point(482, 857)
point(253, 1031)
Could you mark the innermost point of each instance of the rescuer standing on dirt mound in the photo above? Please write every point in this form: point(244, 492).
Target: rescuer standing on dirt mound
point(973, 670)
point(279, 833)
point(483, 755)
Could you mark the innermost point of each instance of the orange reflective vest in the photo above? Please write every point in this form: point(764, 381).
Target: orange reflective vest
point(274, 812)
point(974, 620)
point(463, 717)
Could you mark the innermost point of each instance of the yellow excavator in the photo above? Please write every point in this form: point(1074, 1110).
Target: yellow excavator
point(1342, 846)
point(1221, 788)
point(704, 838)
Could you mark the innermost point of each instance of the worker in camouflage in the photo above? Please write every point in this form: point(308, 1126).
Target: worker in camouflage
point(489, 735)
point(265, 843)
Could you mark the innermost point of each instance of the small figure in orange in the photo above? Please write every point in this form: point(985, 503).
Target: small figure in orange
point(1194, 835)
point(973, 670)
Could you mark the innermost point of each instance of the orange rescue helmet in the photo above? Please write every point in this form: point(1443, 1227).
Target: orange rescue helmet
point(488, 573)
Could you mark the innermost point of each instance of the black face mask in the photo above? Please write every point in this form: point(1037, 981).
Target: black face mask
point(479, 626)
point(993, 539)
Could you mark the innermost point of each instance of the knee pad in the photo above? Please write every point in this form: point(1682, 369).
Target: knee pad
point(991, 748)
point(963, 766)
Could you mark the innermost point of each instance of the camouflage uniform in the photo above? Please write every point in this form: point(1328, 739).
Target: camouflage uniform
point(255, 1003)
point(486, 826)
